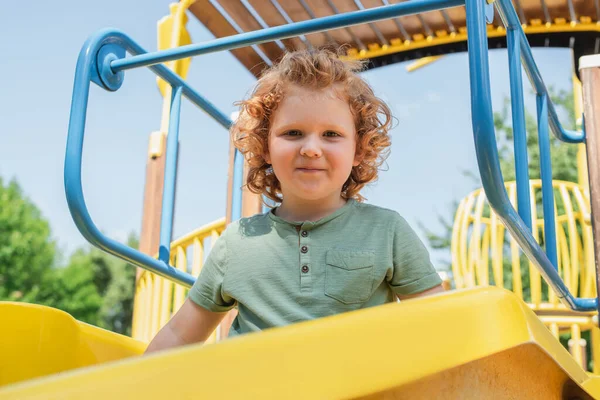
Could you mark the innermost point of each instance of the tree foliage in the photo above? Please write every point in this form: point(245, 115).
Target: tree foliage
point(93, 286)
point(563, 159)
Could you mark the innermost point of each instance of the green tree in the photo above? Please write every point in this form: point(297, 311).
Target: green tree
point(116, 312)
point(96, 288)
point(73, 289)
point(563, 157)
point(27, 251)
point(93, 287)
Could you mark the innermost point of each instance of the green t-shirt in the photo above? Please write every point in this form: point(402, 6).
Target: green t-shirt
point(278, 272)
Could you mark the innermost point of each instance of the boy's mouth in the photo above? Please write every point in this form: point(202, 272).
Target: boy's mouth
point(310, 170)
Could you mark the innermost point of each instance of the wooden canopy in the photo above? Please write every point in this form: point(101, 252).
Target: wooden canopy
point(554, 23)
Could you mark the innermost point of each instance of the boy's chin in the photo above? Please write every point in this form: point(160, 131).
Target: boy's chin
point(315, 195)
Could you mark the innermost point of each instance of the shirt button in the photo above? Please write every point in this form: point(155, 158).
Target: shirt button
point(304, 249)
point(304, 234)
point(305, 269)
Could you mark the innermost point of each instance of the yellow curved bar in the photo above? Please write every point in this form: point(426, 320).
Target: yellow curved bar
point(478, 240)
point(470, 240)
point(481, 343)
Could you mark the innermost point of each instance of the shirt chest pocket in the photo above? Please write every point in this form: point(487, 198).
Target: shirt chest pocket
point(349, 275)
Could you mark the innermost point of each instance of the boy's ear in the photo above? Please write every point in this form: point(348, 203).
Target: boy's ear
point(358, 158)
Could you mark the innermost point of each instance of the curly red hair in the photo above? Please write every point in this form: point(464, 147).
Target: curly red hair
point(316, 69)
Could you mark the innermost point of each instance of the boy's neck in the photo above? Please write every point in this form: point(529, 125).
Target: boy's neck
point(292, 209)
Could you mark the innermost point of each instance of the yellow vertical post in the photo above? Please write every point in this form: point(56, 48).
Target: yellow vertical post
point(582, 169)
point(171, 33)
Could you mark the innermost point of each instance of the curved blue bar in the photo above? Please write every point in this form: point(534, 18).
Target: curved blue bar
point(511, 21)
point(487, 156)
point(286, 31)
point(86, 68)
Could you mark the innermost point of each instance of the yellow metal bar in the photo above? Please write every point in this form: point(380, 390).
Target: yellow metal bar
point(422, 62)
point(485, 255)
point(554, 330)
point(595, 349)
point(497, 249)
point(180, 291)
point(474, 254)
point(576, 343)
point(203, 231)
point(198, 256)
point(535, 283)
point(514, 252)
point(582, 170)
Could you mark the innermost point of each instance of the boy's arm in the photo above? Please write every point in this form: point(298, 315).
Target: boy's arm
point(191, 324)
point(433, 290)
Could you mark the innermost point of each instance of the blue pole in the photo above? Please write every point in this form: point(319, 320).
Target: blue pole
point(546, 172)
point(170, 179)
point(285, 31)
point(519, 130)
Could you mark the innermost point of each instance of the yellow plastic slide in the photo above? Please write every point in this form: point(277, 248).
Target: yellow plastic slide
point(38, 341)
point(475, 344)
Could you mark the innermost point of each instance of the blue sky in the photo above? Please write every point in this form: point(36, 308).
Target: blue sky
point(432, 142)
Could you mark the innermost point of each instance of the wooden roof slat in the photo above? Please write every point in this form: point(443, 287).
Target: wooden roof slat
point(376, 27)
point(312, 15)
point(389, 28)
point(363, 32)
point(280, 12)
point(210, 17)
point(341, 36)
point(414, 23)
point(236, 9)
point(545, 11)
point(587, 8)
point(272, 17)
point(297, 13)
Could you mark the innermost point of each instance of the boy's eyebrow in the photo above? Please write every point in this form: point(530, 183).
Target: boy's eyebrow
point(299, 125)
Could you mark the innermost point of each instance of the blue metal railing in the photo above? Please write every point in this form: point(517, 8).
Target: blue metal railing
point(102, 60)
point(486, 146)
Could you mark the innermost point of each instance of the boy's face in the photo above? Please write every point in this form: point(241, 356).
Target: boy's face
point(312, 143)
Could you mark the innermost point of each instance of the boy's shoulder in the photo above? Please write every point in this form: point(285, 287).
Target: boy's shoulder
point(378, 212)
point(382, 216)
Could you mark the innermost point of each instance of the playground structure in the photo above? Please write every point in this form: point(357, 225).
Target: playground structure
point(502, 337)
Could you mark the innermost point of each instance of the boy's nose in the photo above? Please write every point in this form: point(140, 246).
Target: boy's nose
point(310, 147)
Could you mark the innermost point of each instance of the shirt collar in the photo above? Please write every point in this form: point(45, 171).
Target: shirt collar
point(313, 224)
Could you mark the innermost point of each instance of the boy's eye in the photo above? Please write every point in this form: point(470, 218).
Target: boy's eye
point(293, 132)
point(331, 134)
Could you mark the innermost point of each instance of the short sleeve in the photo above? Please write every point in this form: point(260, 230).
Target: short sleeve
point(413, 271)
point(207, 291)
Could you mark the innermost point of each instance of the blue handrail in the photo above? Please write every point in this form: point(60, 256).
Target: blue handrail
point(102, 61)
point(487, 151)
